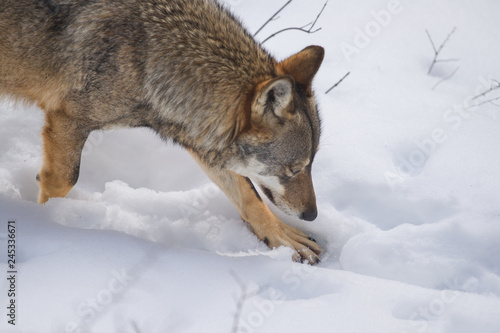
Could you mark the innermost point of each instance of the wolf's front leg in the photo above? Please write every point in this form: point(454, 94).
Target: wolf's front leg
point(265, 224)
point(63, 141)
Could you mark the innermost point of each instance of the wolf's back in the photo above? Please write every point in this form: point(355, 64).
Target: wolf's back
point(189, 60)
point(212, 64)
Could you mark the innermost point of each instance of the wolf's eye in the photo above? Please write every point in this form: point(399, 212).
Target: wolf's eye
point(293, 171)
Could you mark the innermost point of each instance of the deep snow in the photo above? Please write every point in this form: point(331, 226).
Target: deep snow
point(407, 180)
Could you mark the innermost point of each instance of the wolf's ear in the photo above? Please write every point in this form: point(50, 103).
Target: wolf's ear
point(276, 96)
point(304, 65)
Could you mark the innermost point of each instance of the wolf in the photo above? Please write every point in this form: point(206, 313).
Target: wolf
point(188, 70)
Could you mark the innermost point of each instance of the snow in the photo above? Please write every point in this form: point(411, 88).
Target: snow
point(407, 181)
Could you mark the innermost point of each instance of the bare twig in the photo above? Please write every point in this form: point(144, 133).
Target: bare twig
point(446, 78)
point(484, 102)
point(292, 28)
point(447, 60)
point(134, 327)
point(489, 101)
point(493, 87)
point(244, 296)
point(338, 82)
point(309, 31)
point(438, 50)
point(317, 17)
point(272, 17)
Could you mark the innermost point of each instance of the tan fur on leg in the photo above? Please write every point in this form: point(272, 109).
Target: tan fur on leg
point(63, 142)
point(265, 224)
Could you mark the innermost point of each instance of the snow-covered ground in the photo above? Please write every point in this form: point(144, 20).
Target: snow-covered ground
point(407, 180)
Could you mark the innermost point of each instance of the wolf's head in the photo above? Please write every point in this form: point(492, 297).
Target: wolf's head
point(277, 150)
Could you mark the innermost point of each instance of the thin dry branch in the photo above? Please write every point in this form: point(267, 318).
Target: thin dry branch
point(135, 327)
point(303, 28)
point(292, 28)
point(338, 82)
point(445, 78)
point(272, 17)
point(244, 296)
point(319, 14)
point(491, 100)
point(438, 50)
point(447, 60)
point(493, 87)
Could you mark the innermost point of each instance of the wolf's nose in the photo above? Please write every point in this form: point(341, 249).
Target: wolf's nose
point(309, 215)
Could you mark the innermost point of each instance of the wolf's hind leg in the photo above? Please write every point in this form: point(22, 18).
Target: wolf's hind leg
point(63, 141)
point(265, 224)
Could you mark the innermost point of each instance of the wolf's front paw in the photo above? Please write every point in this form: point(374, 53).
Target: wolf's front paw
point(306, 248)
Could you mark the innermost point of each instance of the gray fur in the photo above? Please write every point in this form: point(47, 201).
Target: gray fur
point(188, 70)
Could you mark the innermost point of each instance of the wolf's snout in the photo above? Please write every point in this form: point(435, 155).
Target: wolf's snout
point(310, 214)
